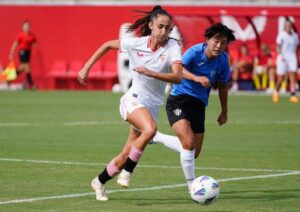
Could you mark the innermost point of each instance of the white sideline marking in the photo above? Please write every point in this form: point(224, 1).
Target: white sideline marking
point(80, 123)
point(142, 189)
point(76, 123)
point(142, 166)
point(15, 124)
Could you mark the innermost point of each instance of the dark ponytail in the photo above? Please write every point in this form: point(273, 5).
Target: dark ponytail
point(141, 24)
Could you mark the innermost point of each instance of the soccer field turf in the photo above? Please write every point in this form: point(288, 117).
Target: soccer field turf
point(52, 144)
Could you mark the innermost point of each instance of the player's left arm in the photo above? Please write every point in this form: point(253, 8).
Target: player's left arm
point(222, 84)
point(174, 77)
point(223, 96)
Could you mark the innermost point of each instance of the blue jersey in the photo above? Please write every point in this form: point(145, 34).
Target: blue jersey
point(196, 62)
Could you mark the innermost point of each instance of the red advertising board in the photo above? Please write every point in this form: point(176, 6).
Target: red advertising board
point(71, 34)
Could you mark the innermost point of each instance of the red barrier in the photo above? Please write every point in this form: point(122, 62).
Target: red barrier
point(73, 33)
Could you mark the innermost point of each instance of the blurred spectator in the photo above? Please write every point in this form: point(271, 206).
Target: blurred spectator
point(24, 41)
point(263, 64)
point(242, 66)
point(287, 42)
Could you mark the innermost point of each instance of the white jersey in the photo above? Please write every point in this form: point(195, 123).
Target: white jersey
point(149, 91)
point(287, 60)
point(288, 43)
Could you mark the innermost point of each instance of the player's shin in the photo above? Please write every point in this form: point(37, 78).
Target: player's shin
point(109, 172)
point(187, 159)
point(131, 162)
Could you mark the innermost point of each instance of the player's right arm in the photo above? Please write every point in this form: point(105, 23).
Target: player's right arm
point(102, 50)
point(188, 58)
point(12, 50)
point(203, 80)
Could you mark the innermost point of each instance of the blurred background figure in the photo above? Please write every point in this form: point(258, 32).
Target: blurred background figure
point(262, 65)
point(242, 66)
point(24, 42)
point(287, 42)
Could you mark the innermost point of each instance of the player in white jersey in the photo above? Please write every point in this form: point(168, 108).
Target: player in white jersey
point(154, 59)
point(287, 42)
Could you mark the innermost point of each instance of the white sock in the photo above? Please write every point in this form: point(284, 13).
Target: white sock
point(189, 182)
point(125, 172)
point(172, 142)
point(187, 159)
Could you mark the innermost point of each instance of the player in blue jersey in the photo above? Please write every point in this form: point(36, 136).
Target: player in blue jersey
point(205, 65)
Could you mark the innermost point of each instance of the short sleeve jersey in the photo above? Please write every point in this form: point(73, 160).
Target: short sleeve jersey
point(25, 41)
point(140, 53)
point(288, 43)
point(196, 62)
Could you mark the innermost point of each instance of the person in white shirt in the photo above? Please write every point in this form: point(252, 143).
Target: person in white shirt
point(287, 42)
point(155, 59)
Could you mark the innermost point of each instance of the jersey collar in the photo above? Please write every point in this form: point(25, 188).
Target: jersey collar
point(149, 44)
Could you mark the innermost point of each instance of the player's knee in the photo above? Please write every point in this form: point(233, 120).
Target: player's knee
point(188, 145)
point(187, 142)
point(150, 131)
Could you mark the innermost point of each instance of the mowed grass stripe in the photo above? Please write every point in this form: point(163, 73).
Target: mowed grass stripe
point(88, 123)
point(142, 166)
point(143, 189)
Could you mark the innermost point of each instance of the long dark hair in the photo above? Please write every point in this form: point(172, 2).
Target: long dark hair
point(141, 24)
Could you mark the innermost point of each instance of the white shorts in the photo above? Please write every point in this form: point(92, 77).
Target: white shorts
point(130, 102)
point(285, 65)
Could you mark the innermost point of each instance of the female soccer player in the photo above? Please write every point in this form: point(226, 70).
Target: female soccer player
point(205, 64)
point(154, 59)
point(24, 41)
point(287, 42)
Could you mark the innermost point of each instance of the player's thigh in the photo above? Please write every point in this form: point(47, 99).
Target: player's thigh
point(142, 119)
point(136, 113)
point(184, 132)
point(178, 108)
point(281, 67)
point(292, 64)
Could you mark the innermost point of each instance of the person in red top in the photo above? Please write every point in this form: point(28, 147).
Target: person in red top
point(263, 64)
point(242, 66)
point(24, 42)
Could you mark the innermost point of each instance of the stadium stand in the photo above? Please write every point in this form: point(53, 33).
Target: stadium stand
point(77, 31)
point(63, 75)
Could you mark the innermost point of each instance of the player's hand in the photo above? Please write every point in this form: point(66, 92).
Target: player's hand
point(222, 119)
point(204, 81)
point(82, 76)
point(143, 70)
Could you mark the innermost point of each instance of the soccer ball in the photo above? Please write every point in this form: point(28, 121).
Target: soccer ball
point(205, 190)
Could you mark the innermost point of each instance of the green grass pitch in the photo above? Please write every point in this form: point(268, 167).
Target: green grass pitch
point(52, 144)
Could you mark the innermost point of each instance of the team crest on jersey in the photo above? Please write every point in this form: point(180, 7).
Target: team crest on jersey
point(139, 54)
point(213, 74)
point(162, 57)
point(177, 112)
